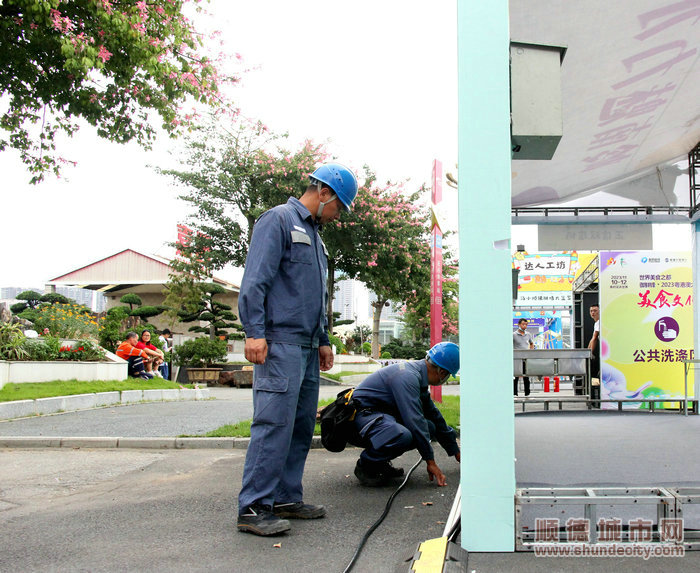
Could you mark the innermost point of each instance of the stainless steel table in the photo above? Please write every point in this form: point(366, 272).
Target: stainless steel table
point(555, 362)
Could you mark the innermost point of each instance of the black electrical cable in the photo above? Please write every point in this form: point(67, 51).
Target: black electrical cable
point(379, 521)
point(455, 530)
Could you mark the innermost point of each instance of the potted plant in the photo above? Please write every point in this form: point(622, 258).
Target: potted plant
point(198, 356)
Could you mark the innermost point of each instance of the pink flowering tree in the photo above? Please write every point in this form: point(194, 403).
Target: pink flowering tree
point(115, 65)
point(416, 312)
point(383, 243)
point(232, 175)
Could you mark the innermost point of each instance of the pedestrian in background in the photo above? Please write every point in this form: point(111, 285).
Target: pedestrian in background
point(282, 305)
point(522, 340)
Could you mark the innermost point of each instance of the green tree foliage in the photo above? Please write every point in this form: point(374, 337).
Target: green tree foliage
point(54, 298)
point(146, 312)
point(32, 300)
point(398, 349)
point(113, 64)
point(415, 314)
point(114, 325)
point(201, 352)
point(131, 299)
point(231, 176)
point(216, 316)
point(384, 243)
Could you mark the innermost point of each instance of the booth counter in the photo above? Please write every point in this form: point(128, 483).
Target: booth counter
point(574, 362)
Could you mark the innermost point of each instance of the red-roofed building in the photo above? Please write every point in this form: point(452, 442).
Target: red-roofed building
point(130, 271)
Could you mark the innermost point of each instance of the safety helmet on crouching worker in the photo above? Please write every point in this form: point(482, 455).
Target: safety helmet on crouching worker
point(446, 356)
point(340, 179)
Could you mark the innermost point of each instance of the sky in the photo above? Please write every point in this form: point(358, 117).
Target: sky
point(375, 81)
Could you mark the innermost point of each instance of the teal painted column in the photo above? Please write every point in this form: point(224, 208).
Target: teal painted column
point(485, 296)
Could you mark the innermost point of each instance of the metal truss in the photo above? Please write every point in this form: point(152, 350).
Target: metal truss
point(667, 503)
point(693, 167)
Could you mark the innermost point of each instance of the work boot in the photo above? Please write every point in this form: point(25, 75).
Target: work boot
point(298, 510)
point(259, 519)
point(388, 469)
point(369, 474)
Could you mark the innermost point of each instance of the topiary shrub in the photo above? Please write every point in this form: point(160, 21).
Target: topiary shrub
point(386, 355)
point(201, 352)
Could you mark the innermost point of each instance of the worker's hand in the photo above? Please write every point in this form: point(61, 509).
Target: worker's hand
point(435, 472)
point(325, 357)
point(458, 457)
point(255, 350)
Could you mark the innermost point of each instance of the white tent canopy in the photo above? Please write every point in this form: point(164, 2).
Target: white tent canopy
point(631, 101)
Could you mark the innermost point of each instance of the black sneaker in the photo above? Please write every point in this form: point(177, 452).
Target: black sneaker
point(260, 520)
point(388, 469)
point(298, 510)
point(369, 474)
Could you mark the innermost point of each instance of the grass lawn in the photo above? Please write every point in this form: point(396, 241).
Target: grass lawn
point(449, 409)
point(34, 390)
point(339, 376)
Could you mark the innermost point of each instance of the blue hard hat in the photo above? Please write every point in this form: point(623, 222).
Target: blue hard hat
point(445, 355)
point(340, 179)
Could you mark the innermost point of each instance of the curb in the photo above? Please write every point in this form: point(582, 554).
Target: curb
point(195, 443)
point(59, 404)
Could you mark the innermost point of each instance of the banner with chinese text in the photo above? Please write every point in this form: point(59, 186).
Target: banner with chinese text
point(646, 322)
point(545, 279)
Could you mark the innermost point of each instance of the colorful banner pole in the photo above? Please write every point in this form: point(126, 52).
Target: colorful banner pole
point(436, 269)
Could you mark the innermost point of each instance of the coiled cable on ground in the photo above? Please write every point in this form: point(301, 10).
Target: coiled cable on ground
point(381, 518)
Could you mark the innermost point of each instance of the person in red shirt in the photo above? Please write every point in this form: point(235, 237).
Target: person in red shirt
point(136, 357)
point(155, 355)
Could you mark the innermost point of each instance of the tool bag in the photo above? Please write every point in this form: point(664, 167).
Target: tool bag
point(337, 428)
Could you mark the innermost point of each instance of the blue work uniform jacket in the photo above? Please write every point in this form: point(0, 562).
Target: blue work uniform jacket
point(402, 390)
point(283, 294)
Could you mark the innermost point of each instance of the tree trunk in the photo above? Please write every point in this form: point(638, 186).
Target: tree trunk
point(376, 317)
point(251, 223)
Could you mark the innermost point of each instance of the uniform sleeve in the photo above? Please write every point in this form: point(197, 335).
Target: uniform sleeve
point(323, 339)
point(406, 392)
point(262, 263)
point(444, 434)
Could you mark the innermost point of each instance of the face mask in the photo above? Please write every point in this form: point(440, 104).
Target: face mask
point(443, 380)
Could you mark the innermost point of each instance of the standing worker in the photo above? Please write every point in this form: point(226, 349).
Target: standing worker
point(395, 414)
point(522, 340)
point(282, 305)
point(594, 343)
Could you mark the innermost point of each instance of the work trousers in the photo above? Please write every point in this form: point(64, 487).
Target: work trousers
point(383, 437)
point(526, 384)
point(136, 367)
point(285, 399)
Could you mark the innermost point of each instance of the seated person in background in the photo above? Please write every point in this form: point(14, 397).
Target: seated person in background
point(155, 355)
point(134, 356)
point(165, 338)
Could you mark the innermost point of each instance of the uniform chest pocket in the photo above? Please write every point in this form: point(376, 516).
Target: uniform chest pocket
point(302, 251)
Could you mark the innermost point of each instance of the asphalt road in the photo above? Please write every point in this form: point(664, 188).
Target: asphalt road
point(125, 509)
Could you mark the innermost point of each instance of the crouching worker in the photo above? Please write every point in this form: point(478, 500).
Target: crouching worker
point(136, 357)
point(395, 414)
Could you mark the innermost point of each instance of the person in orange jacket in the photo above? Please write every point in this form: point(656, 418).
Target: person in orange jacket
point(136, 357)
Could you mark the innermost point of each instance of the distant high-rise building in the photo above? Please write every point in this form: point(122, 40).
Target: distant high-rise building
point(351, 301)
point(94, 300)
point(8, 293)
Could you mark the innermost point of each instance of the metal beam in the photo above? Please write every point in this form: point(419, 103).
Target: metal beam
point(605, 215)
